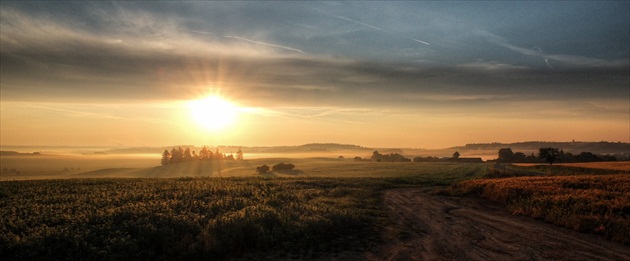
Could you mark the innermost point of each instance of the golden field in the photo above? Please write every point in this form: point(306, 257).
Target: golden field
point(587, 203)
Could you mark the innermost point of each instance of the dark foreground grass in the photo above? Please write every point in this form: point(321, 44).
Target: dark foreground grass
point(202, 218)
point(187, 218)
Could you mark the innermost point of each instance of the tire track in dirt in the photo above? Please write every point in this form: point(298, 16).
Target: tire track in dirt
point(435, 227)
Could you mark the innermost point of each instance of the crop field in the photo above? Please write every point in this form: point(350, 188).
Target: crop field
point(588, 203)
point(320, 212)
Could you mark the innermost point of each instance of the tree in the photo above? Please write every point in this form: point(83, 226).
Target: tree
point(505, 155)
point(456, 155)
point(166, 157)
point(587, 157)
point(187, 155)
point(177, 155)
point(239, 154)
point(549, 154)
point(376, 156)
point(392, 157)
point(205, 154)
point(520, 157)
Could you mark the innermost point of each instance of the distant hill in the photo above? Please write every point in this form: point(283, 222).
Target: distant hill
point(486, 150)
point(310, 147)
point(15, 153)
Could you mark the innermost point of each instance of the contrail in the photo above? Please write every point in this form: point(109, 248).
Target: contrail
point(247, 40)
point(563, 58)
point(195, 31)
point(422, 42)
point(359, 23)
point(266, 44)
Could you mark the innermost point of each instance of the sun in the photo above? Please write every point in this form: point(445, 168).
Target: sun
point(213, 112)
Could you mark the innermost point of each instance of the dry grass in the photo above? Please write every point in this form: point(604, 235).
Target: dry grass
point(588, 203)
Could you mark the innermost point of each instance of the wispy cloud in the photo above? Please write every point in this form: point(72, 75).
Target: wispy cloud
point(77, 113)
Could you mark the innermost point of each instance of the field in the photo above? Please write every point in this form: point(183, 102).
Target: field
point(326, 208)
point(64, 167)
point(597, 204)
point(614, 165)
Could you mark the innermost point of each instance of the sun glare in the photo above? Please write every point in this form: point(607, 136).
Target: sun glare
point(213, 112)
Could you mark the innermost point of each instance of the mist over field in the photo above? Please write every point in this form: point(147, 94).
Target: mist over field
point(43, 162)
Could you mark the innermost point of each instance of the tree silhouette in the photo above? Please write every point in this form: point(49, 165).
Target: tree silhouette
point(204, 153)
point(166, 157)
point(548, 154)
point(187, 155)
point(456, 155)
point(505, 155)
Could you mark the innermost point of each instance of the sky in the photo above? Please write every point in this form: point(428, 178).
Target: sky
point(383, 74)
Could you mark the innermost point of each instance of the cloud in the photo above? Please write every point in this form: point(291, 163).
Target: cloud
point(142, 57)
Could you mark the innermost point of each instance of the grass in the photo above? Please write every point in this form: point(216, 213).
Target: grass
point(331, 208)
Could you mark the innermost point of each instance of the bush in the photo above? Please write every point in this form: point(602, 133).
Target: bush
point(283, 167)
point(262, 169)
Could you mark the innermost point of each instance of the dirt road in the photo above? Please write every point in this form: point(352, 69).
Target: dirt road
point(434, 227)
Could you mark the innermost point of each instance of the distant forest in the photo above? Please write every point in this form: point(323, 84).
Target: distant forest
point(550, 155)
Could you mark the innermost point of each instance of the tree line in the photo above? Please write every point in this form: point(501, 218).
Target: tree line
point(178, 155)
point(550, 155)
point(378, 157)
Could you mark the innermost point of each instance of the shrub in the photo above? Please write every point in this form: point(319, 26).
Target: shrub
point(262, 169)
point(283, 167)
